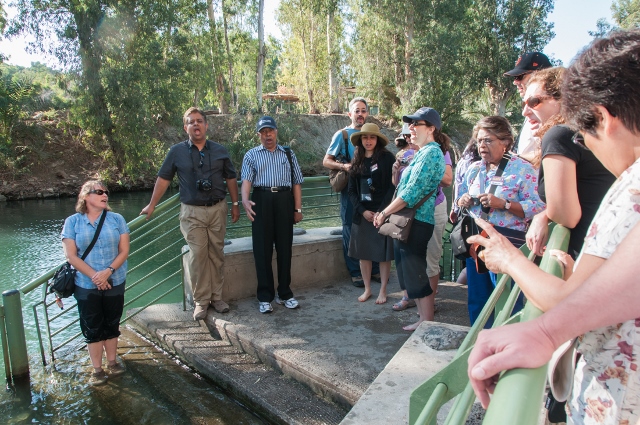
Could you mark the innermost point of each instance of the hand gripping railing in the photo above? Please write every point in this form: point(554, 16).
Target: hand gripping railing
point(518, 396)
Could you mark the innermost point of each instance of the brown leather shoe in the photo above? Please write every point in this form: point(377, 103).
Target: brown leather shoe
point(200, 312)
point(220, 306)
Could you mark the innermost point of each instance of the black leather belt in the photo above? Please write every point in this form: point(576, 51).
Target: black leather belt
point(208, 204)
point(272, 188)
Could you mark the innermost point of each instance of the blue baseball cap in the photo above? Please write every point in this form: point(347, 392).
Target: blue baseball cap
point(266, 122)
point(425, 114)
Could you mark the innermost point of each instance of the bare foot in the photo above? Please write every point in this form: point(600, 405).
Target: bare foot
point(382, 298)
point(365, 296)
point(413, 327)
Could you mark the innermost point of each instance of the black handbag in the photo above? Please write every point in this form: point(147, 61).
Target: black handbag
point(63, 282)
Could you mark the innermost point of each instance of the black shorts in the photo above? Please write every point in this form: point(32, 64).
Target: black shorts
point(100, 312)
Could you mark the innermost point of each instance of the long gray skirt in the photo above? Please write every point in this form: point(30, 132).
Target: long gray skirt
point(367, 244)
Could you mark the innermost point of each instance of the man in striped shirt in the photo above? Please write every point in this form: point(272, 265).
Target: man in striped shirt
point(274, 207)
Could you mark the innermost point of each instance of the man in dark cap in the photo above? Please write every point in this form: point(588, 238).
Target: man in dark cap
point(273, 208)
point(525, 66)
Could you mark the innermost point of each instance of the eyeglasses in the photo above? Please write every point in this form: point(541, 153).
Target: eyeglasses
point(521, 76)
point(578, 139)
point(417, 124)
point(533, 102)
point(100, 192)
point(486, 141)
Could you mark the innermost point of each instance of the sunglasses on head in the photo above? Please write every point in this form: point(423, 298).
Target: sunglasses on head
point(578, 139)
point(534, 101)
point(100, 192)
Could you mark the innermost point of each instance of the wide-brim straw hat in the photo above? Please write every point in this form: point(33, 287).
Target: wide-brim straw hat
point(369, 128)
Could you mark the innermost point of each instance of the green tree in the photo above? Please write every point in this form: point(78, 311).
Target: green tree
point(626, 13)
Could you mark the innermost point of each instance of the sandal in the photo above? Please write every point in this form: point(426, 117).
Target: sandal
point(404, 304)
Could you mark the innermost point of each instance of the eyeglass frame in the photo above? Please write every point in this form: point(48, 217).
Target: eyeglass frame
point(99, 192)
point(537, 100)
point(521, 76)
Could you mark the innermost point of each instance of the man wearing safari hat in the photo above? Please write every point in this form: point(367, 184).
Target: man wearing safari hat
point(525, 66)
point(273, 208)
point(338, 157)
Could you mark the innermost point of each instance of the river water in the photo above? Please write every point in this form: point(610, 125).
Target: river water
point(30, 241)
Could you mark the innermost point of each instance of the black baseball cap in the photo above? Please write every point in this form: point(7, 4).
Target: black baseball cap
point(426, 114)
point(265, 122)
point(531, 61)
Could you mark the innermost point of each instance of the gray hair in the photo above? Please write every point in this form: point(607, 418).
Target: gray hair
point(356, 100)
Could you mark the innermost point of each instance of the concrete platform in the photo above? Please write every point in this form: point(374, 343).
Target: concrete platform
point(334, 345)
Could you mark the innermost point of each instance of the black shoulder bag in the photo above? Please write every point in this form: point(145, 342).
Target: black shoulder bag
point(63, 282)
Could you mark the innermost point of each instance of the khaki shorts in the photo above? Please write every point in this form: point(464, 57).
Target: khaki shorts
point(434, 249)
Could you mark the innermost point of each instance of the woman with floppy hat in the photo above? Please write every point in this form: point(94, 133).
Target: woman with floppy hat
point(370, 191)
point(419, 180)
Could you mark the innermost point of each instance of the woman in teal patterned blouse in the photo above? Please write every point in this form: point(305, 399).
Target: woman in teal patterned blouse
point(419, 179)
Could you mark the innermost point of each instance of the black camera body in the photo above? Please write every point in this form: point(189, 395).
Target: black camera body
point(475, 200)
point(204, 185)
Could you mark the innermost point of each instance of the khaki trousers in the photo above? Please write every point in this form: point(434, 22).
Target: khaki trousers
point(204, 229)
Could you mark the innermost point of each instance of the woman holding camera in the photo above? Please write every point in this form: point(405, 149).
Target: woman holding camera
point(100, 280)
point(370, 191)
point(514, 201)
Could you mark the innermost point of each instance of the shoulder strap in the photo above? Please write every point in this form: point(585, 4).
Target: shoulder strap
point(419, 204)
point(95, 236)
point(492, 187)
point(345, 137)
point(287, 150)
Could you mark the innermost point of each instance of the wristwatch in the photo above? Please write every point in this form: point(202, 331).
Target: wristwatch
point(299, 210)
point(235, 204)
point(112, 269)
point(507, 204)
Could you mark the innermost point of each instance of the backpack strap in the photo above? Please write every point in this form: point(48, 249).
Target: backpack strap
point(287, 150)
point(345, 137)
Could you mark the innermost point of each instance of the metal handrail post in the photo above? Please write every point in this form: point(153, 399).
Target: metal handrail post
point(16, 340)
point(5, 347)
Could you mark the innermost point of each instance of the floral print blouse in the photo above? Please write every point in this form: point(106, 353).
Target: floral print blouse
point(519, 184)
point(607, 383)
point(421, 177)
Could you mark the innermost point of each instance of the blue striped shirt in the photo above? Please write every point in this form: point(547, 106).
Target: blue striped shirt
point(265, 168)
point(79, 228)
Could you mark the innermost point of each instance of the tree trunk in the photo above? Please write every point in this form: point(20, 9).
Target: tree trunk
point(396, 59)
point(312, 105)
point(215, 56)
point(91, 59)
point(334, 100)
point(229, 58)
point(499, 98)
point(260, 53)
point(408, 52)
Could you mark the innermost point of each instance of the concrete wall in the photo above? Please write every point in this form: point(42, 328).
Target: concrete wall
point(317, 258)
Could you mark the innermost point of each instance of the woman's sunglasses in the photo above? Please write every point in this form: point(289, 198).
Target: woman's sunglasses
point(578, 139)
point(100, 192)
point(533, 102)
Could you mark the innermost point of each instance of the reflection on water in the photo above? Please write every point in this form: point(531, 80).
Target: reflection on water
point(59, 393)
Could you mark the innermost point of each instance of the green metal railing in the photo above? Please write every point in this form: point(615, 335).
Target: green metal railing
point(518, 396)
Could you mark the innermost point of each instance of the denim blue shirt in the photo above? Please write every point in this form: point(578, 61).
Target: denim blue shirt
point(519, 184)
point(422, 176)
point(79, 228)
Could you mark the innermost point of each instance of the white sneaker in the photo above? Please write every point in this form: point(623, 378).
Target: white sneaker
point(265, 307)
point(290, 303)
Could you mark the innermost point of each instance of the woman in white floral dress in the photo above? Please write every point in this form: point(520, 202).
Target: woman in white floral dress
point(601, 95)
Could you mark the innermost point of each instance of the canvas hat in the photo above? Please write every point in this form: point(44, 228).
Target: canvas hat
point(425, 114)
point(266, 122)
point(369, 128)
point(531, 61)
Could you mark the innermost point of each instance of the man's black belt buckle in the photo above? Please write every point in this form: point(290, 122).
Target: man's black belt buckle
point(273, 189)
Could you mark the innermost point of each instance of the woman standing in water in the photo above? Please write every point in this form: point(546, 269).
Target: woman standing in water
point(100, 280)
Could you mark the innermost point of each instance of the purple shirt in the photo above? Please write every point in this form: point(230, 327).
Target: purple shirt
point(447, 161)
